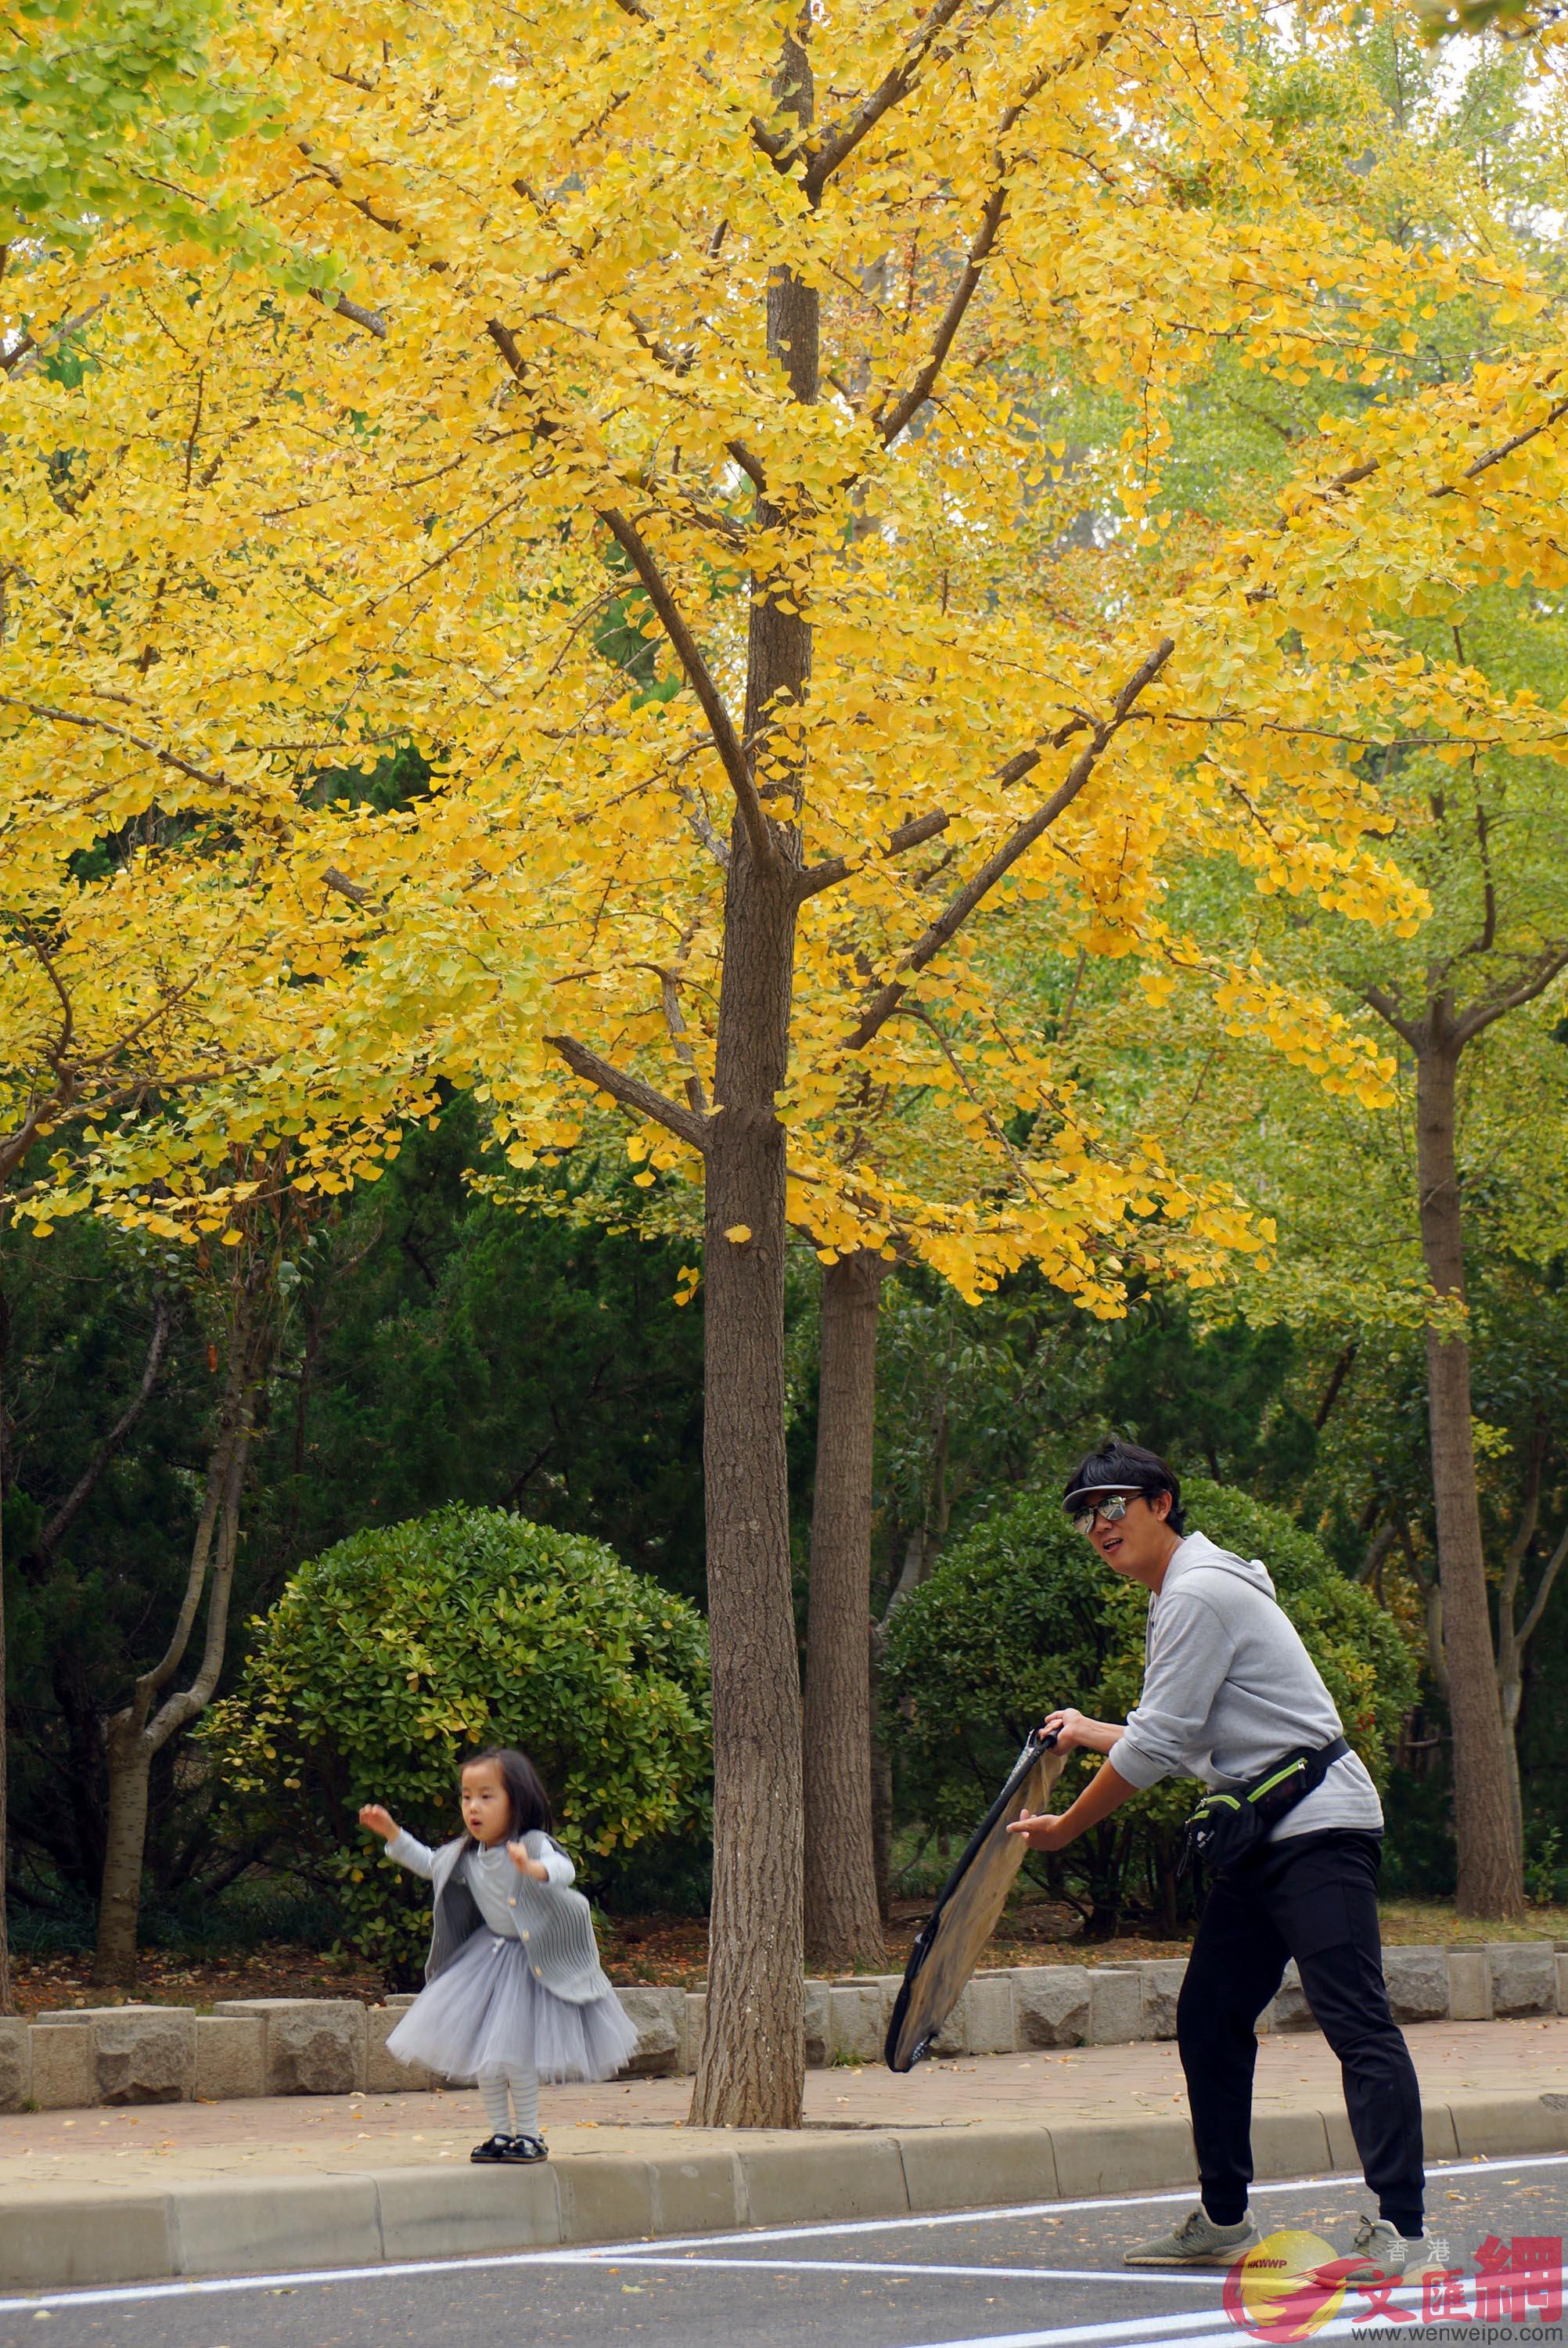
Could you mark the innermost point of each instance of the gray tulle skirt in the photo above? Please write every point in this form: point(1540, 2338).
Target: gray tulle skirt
point(487, 2014)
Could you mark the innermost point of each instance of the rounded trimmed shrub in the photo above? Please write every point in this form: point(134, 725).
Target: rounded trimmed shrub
point(398, 1649)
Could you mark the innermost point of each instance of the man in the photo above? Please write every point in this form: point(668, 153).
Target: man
point(1228, 1691)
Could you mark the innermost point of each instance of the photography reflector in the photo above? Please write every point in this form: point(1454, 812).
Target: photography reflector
point(954, 1937)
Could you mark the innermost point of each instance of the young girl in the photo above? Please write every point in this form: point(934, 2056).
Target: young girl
point(513, 1984)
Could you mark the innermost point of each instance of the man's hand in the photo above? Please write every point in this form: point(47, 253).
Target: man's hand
point(1042, 1833)
point(1075, 1731)
point(517, 1853)
point(379, 1821)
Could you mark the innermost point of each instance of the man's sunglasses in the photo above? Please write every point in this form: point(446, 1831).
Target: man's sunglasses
point(1108, 1512)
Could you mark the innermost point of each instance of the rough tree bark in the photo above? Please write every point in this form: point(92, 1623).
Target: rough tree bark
point(136, 1735)
point(843, 1917)
point(751, 2071)
point(1490, 1863)
point(1514, 1636)
point(7, 2004)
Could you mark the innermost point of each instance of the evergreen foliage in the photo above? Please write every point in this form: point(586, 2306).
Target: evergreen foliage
point(1021, 1617)
point(387, 1658)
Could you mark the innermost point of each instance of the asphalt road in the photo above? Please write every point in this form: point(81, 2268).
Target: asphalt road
point(1040, 2278)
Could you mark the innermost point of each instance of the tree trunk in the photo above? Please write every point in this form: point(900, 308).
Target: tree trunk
point(130, 1753)
point(843, 1922)
point(1491, 1862)
point(7, 2004)
point(135, 1737)
point(881, 1798)
point(751, 2071)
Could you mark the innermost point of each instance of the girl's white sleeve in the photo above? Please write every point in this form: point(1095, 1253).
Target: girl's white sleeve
point(559, 1868)
point(410, 1852)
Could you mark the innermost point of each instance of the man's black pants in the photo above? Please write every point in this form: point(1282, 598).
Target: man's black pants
point(1313, 1897)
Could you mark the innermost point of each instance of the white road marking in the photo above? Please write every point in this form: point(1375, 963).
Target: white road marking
point(392, 2270)
point(1151, 2329)
point(1188, 2194)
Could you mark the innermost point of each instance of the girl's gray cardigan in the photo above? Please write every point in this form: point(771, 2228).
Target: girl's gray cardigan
point(554, 1923)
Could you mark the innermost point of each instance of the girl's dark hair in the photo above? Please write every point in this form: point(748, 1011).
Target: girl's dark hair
point(526, 1788)
point(1128, 1465)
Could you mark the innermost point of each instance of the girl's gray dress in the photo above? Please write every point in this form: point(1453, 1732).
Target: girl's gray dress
point(513, 1978)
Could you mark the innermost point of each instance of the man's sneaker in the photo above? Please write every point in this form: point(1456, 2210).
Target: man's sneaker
point(1198, 2241)
point(1380, 2251)
point(495, 2147)
point(524, 2147)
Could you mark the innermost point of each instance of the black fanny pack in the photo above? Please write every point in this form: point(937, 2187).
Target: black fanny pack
point(1229, 1826)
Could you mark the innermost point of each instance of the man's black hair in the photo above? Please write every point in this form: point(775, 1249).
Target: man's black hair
point(1131, 1469)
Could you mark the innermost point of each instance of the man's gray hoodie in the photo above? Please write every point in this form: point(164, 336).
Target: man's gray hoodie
point(1228, 1687)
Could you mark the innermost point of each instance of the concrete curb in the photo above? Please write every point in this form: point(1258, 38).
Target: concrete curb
point(73, 2058)
point(58, 2236)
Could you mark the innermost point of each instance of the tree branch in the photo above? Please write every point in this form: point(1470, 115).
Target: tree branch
point(1518, 1547)
point(890, 421)
point(232, 1420)
point(1554, 1567)
point(838, 140)
point(1552, 960)
point(1387, 1008)
point(630, 1091)
point(1357, 474)
point(1488, 938)
point(952, 919)
point(837, 868)
point(1344, 1363)
point(701, 678)
point(102, 725)
point(355, 312)
point(76, 1500)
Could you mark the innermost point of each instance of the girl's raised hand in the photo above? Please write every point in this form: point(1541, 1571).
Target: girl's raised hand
point(519, 1855)
point(378, 1821)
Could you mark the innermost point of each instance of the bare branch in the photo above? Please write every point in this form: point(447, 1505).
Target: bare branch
point(1357, 474)
point(702, 829)
point(908, 835)
point(675, 1021)
point(1549, 963)
point(27, 351)
point(1554, 1567)
point(1488, 938)
point(698, 676)
point(957, 912)
point(1387, 1008)
point(102, 725)
point(233, 1434)
point(355, 312)
point(76, 1500)
point(890, 421)
point(630, 1091)
point(1554, 414)
point(355, 891)
point(838, 140)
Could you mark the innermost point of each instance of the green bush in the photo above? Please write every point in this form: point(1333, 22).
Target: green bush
point(1022, 1616)
point(393, 1652)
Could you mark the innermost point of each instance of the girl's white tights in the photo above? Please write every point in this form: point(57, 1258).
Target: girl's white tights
point(517, 2089)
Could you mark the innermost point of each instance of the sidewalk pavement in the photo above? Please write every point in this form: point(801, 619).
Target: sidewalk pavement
point(265, 2184)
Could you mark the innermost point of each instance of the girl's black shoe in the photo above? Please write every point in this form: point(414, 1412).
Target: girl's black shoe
point(524, 2147)
point(495, 2147)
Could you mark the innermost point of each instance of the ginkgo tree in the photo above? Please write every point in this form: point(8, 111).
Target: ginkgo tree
point(743, 298)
